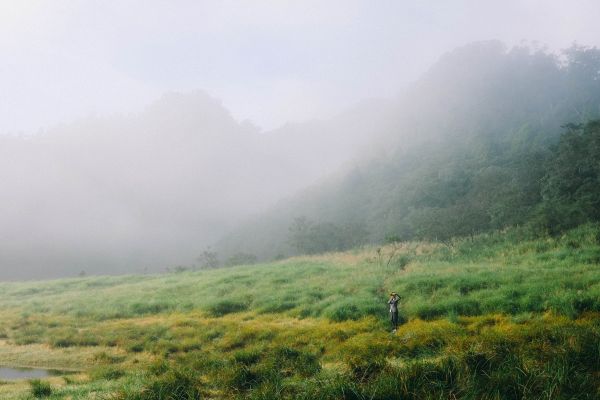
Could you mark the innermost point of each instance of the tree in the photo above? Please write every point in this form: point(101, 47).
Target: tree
point(299, 235)
point(309, 237)
point(571, 187)
point(208, 259)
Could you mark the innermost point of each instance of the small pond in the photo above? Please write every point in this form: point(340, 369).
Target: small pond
point(9, 373)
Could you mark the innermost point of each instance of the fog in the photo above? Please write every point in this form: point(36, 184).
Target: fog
point(150, 190)
point(137, 134)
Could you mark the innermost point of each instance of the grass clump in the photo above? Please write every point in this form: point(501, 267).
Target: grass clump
point(251, 372)
point(172, 384)
point(107, 372)
point(40, 389)
point(225, 307)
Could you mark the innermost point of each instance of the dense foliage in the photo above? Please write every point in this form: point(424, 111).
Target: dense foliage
point(473, 149)
point(571, 186)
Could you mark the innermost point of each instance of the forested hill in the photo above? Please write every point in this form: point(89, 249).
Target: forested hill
point(474, 145)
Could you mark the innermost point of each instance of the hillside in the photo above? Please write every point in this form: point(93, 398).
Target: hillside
point(500, 315)
point(147, 191)
point(467, 151)
point(468, 144)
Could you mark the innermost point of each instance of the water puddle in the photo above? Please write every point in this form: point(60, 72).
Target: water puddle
point(9, 373)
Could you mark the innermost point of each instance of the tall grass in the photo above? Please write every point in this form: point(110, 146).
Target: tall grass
point(490, 273)
point(40, 389)
point(500, 315)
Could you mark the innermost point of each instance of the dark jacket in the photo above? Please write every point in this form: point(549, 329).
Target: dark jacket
point(393, 302)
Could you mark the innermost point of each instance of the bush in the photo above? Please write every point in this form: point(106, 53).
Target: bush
point(40, 388)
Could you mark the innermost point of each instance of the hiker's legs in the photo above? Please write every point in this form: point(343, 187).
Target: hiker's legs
point(394, 320)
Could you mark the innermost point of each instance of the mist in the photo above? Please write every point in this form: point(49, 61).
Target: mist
point(147, 191)
point(136, 136)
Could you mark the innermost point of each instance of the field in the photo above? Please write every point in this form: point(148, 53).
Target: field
point(497, 316)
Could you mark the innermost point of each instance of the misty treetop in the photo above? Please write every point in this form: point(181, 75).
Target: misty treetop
point(488, 138)
point(462, 150)
point(146, 191)
point(571, 185)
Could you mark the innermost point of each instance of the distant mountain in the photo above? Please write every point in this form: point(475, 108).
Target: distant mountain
point(131, 193)
point(463, 150)
point(460, 151)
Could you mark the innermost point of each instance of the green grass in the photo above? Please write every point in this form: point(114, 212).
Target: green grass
point(40, 388)
point(498, 316)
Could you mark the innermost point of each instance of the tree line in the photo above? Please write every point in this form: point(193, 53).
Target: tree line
point(482, 142)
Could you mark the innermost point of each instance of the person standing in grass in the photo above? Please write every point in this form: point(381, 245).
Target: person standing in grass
point(393, 303)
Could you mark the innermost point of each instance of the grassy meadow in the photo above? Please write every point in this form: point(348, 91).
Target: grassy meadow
point(497, 316)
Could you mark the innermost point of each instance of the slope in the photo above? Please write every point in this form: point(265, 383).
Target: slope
point(315, 327)
point(466, 152)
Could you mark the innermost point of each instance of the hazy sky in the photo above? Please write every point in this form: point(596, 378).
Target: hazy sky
point(269, 61)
